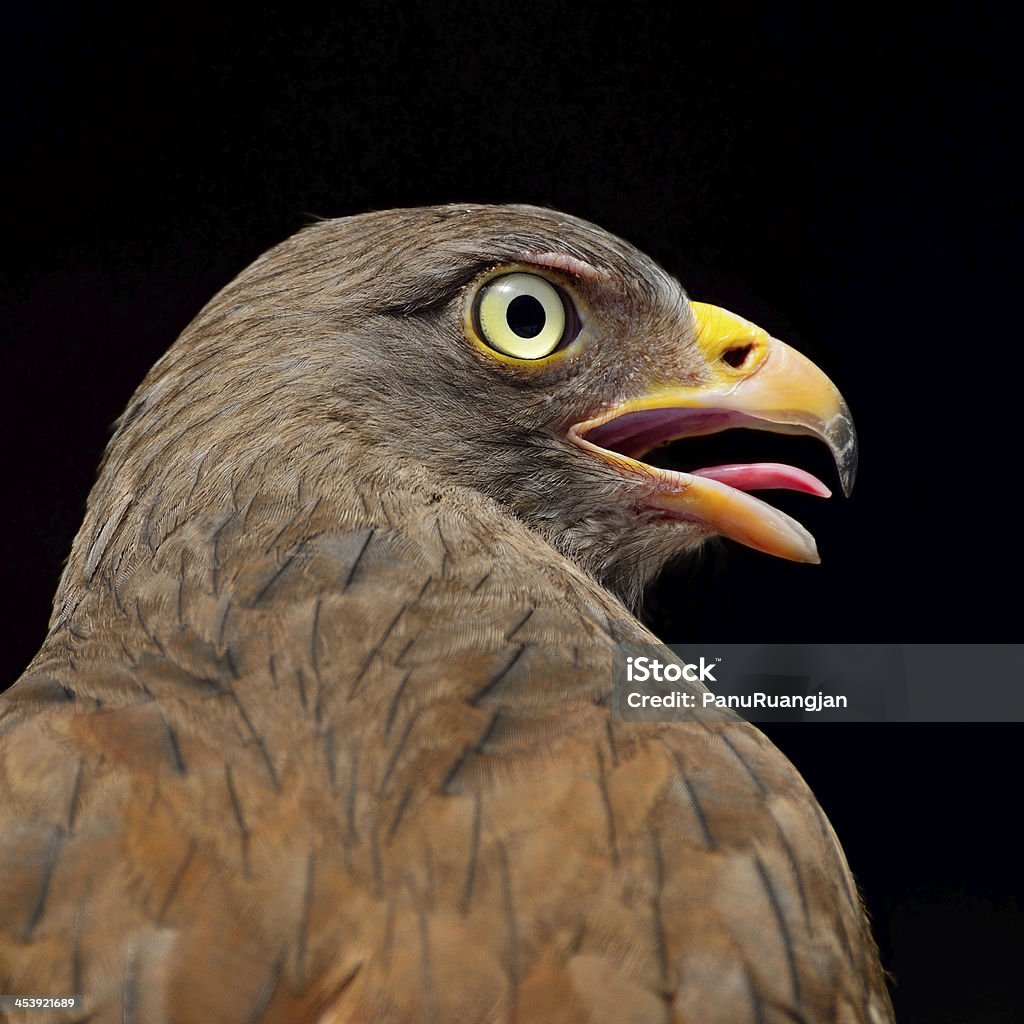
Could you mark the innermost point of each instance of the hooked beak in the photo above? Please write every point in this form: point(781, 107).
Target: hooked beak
point(756, 382)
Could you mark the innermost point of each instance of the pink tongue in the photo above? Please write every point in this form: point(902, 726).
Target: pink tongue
point(765, 476)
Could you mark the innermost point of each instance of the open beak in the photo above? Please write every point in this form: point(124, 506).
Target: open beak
point(756, 382)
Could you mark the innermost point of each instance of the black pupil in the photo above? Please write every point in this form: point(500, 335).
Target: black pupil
point(526, 316)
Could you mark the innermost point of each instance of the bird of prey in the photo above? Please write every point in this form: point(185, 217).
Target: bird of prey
point(321, 729)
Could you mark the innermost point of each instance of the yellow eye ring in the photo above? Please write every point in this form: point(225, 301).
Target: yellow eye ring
point(522, 315)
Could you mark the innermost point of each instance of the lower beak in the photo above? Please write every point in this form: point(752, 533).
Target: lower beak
point(756, 382)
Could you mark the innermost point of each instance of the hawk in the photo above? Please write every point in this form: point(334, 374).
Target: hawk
point(321, 729)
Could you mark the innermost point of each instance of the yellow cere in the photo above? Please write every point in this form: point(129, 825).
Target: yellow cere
point(521, 315)
point(718, 330)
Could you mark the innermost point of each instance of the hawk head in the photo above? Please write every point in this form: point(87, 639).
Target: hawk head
point(514, 351)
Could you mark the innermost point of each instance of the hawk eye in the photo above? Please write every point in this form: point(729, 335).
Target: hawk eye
point(523, 316)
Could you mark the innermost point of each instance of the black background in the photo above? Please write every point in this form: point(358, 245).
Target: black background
point(843, 179)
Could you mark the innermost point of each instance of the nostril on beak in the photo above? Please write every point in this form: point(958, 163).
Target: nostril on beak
point(737, 356)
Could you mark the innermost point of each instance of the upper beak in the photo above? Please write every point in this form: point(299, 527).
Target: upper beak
point(754, 381)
